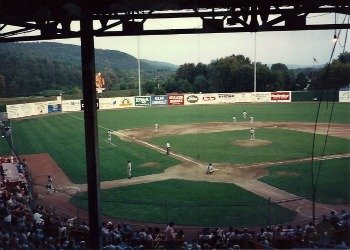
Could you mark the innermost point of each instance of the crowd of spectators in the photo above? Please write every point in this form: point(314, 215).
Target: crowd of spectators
point(26, 226)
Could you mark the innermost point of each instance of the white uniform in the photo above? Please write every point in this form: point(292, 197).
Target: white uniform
point(234, 120)
point(251, 119)
point(168, 148)
point(245, 115)
point(156, 126)
point(252, 134)
point(109, 135)
point(128, 167)
point(210, 169)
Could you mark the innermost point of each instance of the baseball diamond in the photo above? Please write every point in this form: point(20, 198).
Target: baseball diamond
point(198, 135)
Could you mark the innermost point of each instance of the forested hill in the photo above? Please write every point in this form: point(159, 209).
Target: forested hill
point(30, 68)
point(71, 54)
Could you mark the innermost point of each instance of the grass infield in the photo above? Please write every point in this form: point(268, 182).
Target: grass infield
point(283, 145)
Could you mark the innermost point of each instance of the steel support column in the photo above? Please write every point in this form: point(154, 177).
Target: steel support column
point(91, 134)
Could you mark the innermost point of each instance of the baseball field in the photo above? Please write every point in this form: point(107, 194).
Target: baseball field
point(254, 182)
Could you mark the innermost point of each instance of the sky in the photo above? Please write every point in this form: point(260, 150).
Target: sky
point(288, 47)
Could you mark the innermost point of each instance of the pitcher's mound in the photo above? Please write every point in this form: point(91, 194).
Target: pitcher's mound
point(249, 143)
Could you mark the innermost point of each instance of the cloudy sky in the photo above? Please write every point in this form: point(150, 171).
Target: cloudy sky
point(292, 47)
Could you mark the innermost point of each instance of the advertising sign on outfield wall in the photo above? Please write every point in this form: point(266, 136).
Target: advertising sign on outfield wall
point(208, 98)
point(243, 97)
point(281, 96)
point(82, 104)
point(261, 96)
point(142, 101)
point(344, 96)
point(38, 108)
point(157, 100)
point(71, 105)
point(226, 98)
point(190, 99)
point(125, 102)
point(107, 103)
point(175, 99)
point(26, 109)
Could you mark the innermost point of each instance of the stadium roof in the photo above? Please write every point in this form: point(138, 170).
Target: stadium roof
point(52, 19)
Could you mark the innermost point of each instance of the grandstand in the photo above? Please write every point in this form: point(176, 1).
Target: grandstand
point(32, 222)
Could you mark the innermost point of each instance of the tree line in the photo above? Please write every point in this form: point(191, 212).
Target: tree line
point(235, 73)
point(24, 74)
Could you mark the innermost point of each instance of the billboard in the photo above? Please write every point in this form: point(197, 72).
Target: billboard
point(226, 98)
point(142, 101)
point(281, 96)
point(261, 97)
point(175, 99)
point(71, 105)
point(344, 96)
point(158, 100)
point(191, 99)
point(38, 108)
point(26, 109)
point(125, 102)
point(243, 97)
point(108, 103)
point(82, 104)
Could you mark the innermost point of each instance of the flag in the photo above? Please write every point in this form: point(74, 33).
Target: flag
point(315, 61)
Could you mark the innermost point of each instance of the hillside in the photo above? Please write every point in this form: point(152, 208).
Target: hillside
point(30, 68)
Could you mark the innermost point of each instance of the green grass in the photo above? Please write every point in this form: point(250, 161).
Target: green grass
point(333, 185)
point(219, 147)
point(189, 203)
point(5, 149)
point(63, 137)
point(145, 117)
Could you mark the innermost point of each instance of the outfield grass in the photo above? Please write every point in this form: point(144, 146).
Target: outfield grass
point(279, 112)
point(189, 203)
point(62, 136)
point(333, 184)
point(285, 145)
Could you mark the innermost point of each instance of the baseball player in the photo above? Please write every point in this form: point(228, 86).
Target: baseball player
point(156, 127)
point(234, 120)
point(167, 148)
point(49, 186)
point(210, 169)
point(251, 120)
point(245, 114)
point(109, 135)
point(128, 168)
point(252, 134)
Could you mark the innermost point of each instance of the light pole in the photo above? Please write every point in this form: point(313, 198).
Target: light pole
point(138, 63)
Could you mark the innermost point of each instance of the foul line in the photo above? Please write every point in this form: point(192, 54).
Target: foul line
point(159, 149)
point(83, 120)
point(190, 160)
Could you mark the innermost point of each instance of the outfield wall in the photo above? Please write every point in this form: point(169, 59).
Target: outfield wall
point(344, 96)
point(172, 99)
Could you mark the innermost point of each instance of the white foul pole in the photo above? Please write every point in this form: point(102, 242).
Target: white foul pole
point(255, 62)
point(138, 63)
